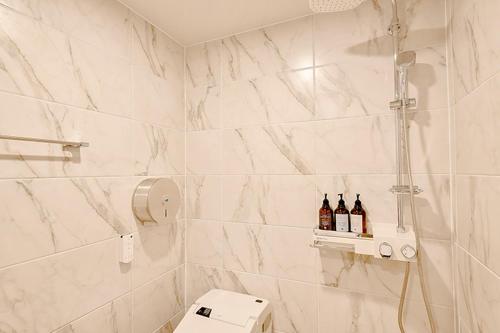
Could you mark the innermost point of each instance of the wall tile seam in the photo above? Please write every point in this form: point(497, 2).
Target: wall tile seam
point(265, 26)
point(60, 253)
point(56, 254)
point(75, 108)
point(223, 222)
point(68, 35)
point(111, 177)
point(325, 121)
point(393, 298)
point(158, 329)
point(315, 284)
point(157, 278)
point(313, 174)
point(476, 90)
point(478, 261)
point(101, 307)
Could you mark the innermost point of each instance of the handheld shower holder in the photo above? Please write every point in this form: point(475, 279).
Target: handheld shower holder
point(409, 103)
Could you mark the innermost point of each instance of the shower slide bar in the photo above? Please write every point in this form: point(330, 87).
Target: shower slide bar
point(73, 144)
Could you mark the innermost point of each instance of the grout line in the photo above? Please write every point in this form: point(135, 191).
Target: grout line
point(259, 27)
point(314, 284)
point(489, 270)
point(135, 12)
point(101, 307)
point(78, 109)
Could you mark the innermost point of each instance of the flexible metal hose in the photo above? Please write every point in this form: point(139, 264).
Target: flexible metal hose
point(420, 268)
point(403, 298)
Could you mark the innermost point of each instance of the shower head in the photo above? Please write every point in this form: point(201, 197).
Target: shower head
point(406, 59)
point(324, 6)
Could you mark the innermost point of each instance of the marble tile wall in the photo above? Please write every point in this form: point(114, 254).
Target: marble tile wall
point(89, 70)
point(278, 116)
point(475, 80)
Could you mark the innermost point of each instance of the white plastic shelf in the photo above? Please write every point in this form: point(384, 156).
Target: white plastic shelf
point(385, 240)
point(343, 241)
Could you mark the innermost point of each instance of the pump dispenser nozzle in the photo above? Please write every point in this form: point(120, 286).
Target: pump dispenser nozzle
point(341, 201)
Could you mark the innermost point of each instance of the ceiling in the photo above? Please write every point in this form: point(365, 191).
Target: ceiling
point(195, 21)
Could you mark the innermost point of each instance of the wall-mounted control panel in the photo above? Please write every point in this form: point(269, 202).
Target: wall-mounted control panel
point(126, 248)
point(156, 200)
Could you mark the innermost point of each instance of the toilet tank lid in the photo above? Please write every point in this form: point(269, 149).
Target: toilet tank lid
point(230, 307)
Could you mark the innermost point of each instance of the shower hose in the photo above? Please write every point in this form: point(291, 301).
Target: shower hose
point(420, 270)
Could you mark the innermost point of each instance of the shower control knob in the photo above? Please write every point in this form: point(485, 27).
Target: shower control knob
point(385, 250)
point(408, 251)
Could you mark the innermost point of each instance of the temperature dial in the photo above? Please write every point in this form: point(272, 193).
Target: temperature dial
point(385, 250)
point(408, 251)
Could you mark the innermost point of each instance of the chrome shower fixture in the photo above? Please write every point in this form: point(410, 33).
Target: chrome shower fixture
point(328, 6)
point(406, 59)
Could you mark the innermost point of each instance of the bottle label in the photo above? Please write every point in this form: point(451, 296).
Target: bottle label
point(325, 222)
point(357, 223)
point(342, 222)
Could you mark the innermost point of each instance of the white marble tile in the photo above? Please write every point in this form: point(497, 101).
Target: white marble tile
point(273, 200)
point(428, 139)
point(203, 64)
point(172, 324)
point(283, 149)
point(380, 204)
point(360, 313)
point(42, 62)
point(475, 46)
point(156, 51)
point(477, 124)
point(204, 152)
point(110, 318)
point(110, 141)
point(103, 23)
point(104, 81)
point(278, 251)
point(158, 101)
point(355, 146)
point(277, 98)
point(204, 197)
point(432, 207)
point(36, 59)
point(477, 212)
point(428, 81)
point(423, 26)
point(43, 295)
point(268, 50)
point(158, 301)
point(477, 294)
point(203, 110)
point(347, 88)
point(384, 278)
point(34, 223)
point(204, 242)
point(105, 133)
point(294, 304)
point(200, 280)
point(157, 150)
point(158, 248)
point(27, 117)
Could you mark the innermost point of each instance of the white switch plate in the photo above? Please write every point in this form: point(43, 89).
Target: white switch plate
point(126, 248)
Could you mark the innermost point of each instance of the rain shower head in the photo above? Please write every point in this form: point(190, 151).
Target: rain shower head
point(323, 6)
point(406, 59)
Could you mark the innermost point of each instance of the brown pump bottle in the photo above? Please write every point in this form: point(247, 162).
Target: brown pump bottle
point(326, 215)
point(341, 221)
point(358, 217)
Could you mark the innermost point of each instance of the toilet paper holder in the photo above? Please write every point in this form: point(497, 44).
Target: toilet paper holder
point(156, 200)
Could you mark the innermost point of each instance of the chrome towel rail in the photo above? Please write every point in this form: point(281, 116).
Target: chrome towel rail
point(74, 144)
